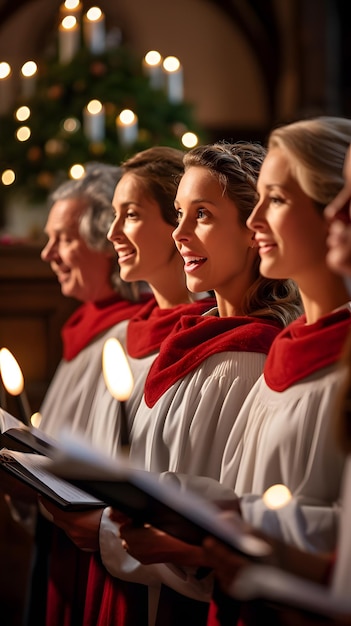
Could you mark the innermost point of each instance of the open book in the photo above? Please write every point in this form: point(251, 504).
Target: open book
point(31, 469)
point(17, 436)
point(145, 498)
point(24, 453)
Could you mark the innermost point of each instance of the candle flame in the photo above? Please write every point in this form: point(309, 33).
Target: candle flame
point(94, 107)
point(11, 373)
point(189, 140)
point(29, 69)
point(117, 373)
point(5, 69)
point(276, 496)
point(22, 113)
point(153, 57)
point(94, 14)
point(69, 22)
point(36, 419)
point(71, 4)
point(8, 177)
point(127, 117)
point(171, 64)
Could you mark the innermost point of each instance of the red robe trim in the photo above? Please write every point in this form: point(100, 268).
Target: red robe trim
point(151, 325)
point(195, 338)
point(92, 318)
point(302, 349)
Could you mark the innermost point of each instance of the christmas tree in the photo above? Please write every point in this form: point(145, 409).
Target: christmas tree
point(54, 126)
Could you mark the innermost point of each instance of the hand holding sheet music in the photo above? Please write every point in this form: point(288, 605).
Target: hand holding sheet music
point(146, 500)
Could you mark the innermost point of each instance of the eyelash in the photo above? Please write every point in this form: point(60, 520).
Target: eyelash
point(201, 214)
point(276, 200)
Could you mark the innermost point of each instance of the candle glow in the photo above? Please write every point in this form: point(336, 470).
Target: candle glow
point(189, 140)
point(8, 177)
point(174, 74)
point(13, 381)
point(116, 370)
point(5, 70)
point(94, 121)
point(152, 64)
point(22, 113)
point(5, 87)
point(68, 38)
point(76, 171)
point(11, 373)
point(276, 496)
point(94, 30)
point(28, 71)
point(127, 127)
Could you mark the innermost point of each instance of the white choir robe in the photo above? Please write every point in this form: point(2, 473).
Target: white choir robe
point(186, 432)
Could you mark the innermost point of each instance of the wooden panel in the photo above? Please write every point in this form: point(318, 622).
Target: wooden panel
point(32, 312)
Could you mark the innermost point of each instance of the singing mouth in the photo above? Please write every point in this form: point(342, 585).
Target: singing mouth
point(193, 262)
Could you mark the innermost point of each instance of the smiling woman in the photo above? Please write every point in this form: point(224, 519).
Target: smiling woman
point(208, 363)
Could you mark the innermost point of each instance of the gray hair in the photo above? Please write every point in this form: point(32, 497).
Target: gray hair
point(96, 189)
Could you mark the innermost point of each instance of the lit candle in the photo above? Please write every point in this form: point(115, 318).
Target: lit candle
point(119, 380)
point(276, 496)
point(5, 87)
point(127, 127)
point(13, 381)
point(94, 30)
point(68, 39)
point(71, 7)
point(94, 121)
point(174, 73)
point(28, 72)
point(152, 64)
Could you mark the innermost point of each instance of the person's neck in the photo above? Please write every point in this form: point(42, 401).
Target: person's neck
point(324, 298)
point(172, 297)
point(103, 294)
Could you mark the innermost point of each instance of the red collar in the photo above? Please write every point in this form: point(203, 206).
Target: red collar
point(302, 349)
point(91, 319)
point(196, 338)
point(151, 325)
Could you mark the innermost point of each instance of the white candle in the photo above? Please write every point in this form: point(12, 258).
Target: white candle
point(28, 74)
point(174, 73)
point(68, 39)
point(119, 381)
point(152, 65)
point(94, 121)
point(5, 87)
point(127, 127)
point(94, 30)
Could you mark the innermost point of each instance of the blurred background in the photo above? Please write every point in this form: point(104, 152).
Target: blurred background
point(244, 67)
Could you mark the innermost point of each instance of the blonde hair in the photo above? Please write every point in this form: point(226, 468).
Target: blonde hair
point(317, 148)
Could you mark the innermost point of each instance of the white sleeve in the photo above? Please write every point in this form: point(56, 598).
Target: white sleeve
point(121, 565)
point(301, 523)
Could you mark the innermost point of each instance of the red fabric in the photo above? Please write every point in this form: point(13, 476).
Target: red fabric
point(92, 318)
point(113, 601)
point(302, 349)
point(67, 582)
point(196, 338)
point(151, 325)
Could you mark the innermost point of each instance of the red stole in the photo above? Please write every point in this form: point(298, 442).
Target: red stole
point(151, 325)
point(195, 338)
point(302, 349)
point(92, 318)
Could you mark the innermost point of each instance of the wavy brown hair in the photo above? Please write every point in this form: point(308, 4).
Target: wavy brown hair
point(236, 166)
